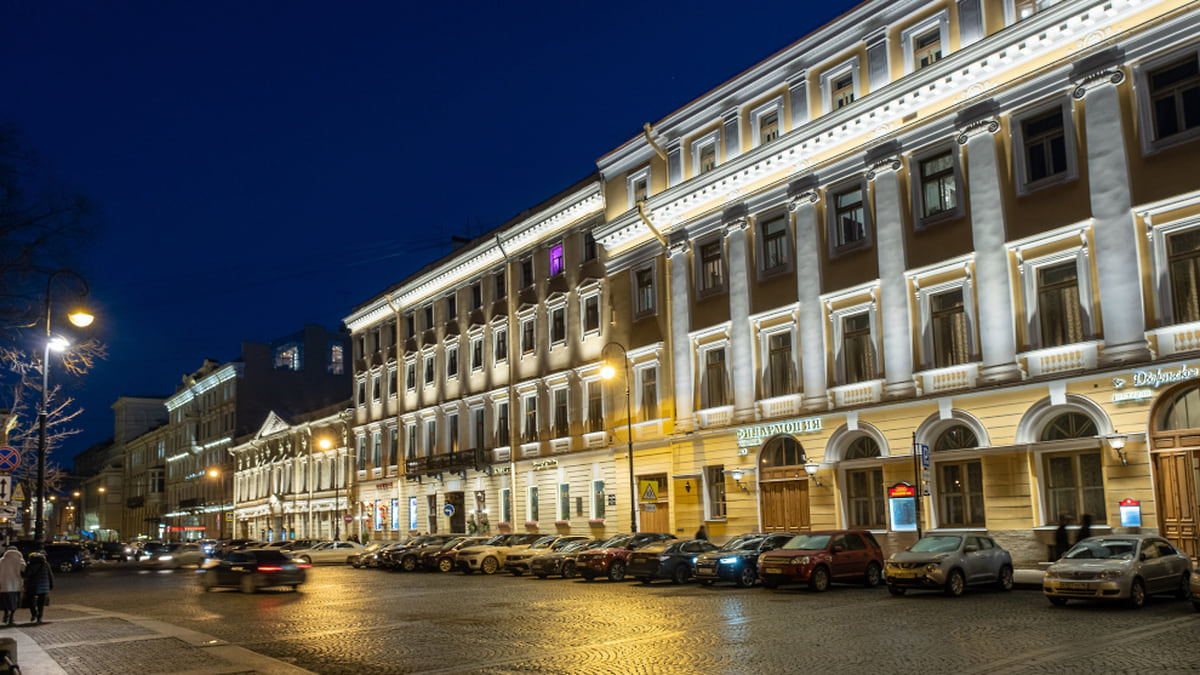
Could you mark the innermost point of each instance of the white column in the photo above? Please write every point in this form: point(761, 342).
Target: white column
point(895, 320)
point(741, 336)
point(1113, 227)
point(681, 344)
point(812, 315)
point(993, 283)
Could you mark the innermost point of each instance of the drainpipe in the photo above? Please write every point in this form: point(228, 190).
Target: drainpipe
point(395, 450)
point(669, 351)
point(512, 383)
point(658, 149)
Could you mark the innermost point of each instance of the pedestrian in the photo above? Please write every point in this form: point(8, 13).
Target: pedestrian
point(1062, 540)
point(1085, 528)
point(39, 581)
point(11, 567)
point(702, 533)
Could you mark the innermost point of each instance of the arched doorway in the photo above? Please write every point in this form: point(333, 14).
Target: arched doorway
point(1175, 453)
point(783, 486)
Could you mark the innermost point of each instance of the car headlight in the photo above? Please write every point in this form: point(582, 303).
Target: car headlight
point(800, 560)
point(164, 557)
point(729, 561)
point(933, 567)
point(1112, 574)
point(664, 557)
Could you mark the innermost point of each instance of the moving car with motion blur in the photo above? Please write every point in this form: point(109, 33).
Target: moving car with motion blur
point(1125, 567)
point(611, 559)
point(561, 562)
point(361, 558)
point(737, 560)
point(250, 570)
point(674, 560)
point(949, 562)
point(517, 562)
point(819, 558)
point(327, 553)
point(174, 556)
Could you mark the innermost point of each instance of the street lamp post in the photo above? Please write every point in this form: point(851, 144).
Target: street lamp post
point(325, 444)
point(608, 372)
point(79, 318)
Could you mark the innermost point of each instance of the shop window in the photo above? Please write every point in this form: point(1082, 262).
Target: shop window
point(948, 320)
point(858, 348)
point(714, 492)
point(431, 506)
point(506, 505)
point(1074, 486)
point(531, 504)
point(960, 494)
point(865, 503)
point(564, 501)
point(1183, 260)
point(1059, 310)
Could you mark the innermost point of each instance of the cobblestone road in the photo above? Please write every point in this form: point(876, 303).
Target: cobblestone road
point(365, 621)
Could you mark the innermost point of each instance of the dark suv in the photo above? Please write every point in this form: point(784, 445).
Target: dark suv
point(737, 560)
point(611, 559)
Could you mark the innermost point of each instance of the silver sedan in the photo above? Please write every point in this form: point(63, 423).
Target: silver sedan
point(1118, 567)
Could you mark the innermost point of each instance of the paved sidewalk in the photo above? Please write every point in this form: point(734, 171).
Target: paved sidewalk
point(79, 640)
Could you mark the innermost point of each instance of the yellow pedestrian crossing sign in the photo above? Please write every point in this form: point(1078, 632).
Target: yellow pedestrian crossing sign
point(649, 491)
point(18, 493)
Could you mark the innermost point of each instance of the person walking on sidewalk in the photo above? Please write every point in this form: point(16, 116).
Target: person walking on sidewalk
point(39, 581)
point(11, 567)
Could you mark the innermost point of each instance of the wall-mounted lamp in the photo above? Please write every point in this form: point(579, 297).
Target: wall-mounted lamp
point(687, 486)
point(737, 475)
point(811, 469)
point(1117, 443)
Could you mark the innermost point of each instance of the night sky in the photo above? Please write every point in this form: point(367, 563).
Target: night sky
point(263, 165)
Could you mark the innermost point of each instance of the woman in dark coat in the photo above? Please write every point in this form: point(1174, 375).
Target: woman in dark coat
point(39, 581)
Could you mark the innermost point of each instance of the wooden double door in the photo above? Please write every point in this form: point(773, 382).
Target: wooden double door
point(1176, 483)
point(783, 500)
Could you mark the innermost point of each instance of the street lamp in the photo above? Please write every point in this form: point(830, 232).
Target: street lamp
point(215, 474)
point(79, 318)
point(608, 372)
point(325, 444)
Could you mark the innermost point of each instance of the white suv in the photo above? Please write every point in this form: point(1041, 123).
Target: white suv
point(489, 557)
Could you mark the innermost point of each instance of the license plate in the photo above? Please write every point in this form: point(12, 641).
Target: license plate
point(902, 574)
point(1074, 586)
point(706, 568)
point(772, 570)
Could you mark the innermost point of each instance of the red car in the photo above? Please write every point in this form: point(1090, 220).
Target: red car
point(817, 558)
point(611, 558)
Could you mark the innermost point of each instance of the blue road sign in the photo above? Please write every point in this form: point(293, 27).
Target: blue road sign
point(10, 459)
point(448, 509)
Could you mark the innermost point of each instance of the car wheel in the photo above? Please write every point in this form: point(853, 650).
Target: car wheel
point(568, 569)
point(247, 585)
point(895, 590)
point(408, 563)
point(819, 580)
point(616, 571)
point(308, 561)
point(444, 565)
point(1006, 578)
point(489, 565)
point(680, 574)
point(955, 583)
point(1056, 600)
point(746, 577)
point(65, 566)
point(1184, 589)
point(874, 575)
point(1137, 594)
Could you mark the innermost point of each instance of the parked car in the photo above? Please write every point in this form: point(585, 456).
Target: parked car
point(611, 559)
point(737, 560)
point(328, 552)
point(561, 562)
point(950, 562)
point(489, 557)
point(674, 560)
point(1118, 567)
point(820, 558)
point(359, 559)
point(442, 558)
point(517, 562)
point(408, 558)
point(62, 556)
point(174, 556)
point(252, 569)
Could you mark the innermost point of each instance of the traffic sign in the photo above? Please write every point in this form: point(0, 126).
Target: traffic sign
point(925, 456)
point(448, 510)
point(10, 459)
point(8, 511)
point(5, 488)
point(18, 493)
point(349, 519)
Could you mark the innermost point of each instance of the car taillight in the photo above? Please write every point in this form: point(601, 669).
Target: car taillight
point(303, 565)
point(270, 568)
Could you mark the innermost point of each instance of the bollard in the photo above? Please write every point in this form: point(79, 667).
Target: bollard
point(8, 656)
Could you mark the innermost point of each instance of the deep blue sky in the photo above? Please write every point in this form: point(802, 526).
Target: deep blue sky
point(262, 165)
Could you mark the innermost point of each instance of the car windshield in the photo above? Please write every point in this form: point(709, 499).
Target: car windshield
point(618, 541)
point(544, 542)
point(577, 546)
point(498, 540)
point(452, 543)
point(565, 544)
point(742, 544)
point(808, 542)
point(937, 544)
point(1103, 548)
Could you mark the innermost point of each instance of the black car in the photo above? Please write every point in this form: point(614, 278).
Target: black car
point(672, 560)
point(737, 560)
point(561, 562)
point(408, 559)
point(252, 569)
point(62, 556)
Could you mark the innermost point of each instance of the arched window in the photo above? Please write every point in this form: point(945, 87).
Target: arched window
point(959, 483)
point(782, 451)
point(862, 447)
point(957, 437)
point(1181, 413)
point(1069, 425)
point(865, 504)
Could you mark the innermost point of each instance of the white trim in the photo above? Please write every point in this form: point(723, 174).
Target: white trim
point(1029, 281)
point(850, 66)
point(712, 138)
point(634, 177)
point(941, 21)
point(1164, 307)
point(1145, 117)
point(1016, 129)
point(775, 106)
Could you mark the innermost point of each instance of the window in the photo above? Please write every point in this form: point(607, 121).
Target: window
point(938, 184)
point(477, 353)
point(377, 451)
point(430, 437)
point(498, 284)
point(843, 91)
point(1175, 97)
point(556, 260)
point(392, 379)
point(707, 157)
point(376, 388)
point(779, 364)
point(410, 375)
point(562, 427)
point(649, 393)
point(360, 453)
point(289, 357)
point(506, 505)
point(849, 218)
point(531, 510)
point(775, 246)
point(477, 428)
point(960, 494)
point(1069, 425)
point(428, 316)
point(1045, 142)
point(927, 48)
point(337, 359)
point(924, 43)
point(714, 378)
point(500, 353)
point(502, 437)
point(362, 393)
point(451, 307)
point(393, 448)
point(527, 273)
point(858, 348)
point(564, 501)
point(1058, 304)
point(527, 336)
point(429, 370)
point(432, 510)
point(638, 186)
point(595, 409)
point(476, 295)
point(591, 313)
point(643, 291)
point(531, 420)
point(948, 321)
point(558, 325)
point(451, 362)
point(1183, 260)
point(410, 323)
point(865, 503)
point(452, 432)
point(768, 127)
point(1074, 486)
point(712, 267)
point(598, 500)
point(714, 492)
point(589, 247)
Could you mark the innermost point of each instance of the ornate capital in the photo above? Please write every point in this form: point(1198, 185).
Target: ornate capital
point(678, 248)
point(736, 225)
point(885, 164)
point(810, 196)
point(986, 125)
point(1113, 75)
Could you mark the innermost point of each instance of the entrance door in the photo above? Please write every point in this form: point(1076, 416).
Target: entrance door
point(458, 521)
point(1176, 477)
point(784, 505)
point(655, 512)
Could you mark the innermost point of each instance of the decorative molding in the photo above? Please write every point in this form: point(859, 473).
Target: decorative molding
point(1112, 75)
point(810, 196)
point(988, 125)
point(880, 165)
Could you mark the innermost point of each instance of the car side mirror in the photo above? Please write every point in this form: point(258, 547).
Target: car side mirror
point(839, 549)
point(971, 548)
point(1142, 556)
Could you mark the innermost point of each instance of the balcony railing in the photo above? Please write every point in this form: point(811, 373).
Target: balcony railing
point(461, 460)
point(945, 379)
point(1079, 356)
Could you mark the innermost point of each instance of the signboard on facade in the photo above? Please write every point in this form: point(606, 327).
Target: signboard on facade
point(902, 507)
point(1131, 513)
point(748, 437)
point(1144, 382)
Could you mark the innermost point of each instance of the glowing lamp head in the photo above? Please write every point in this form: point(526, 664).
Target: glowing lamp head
point(608, 372)
point(58, 343)
point(325, 443)
point(213, 473)
point(81, 318)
